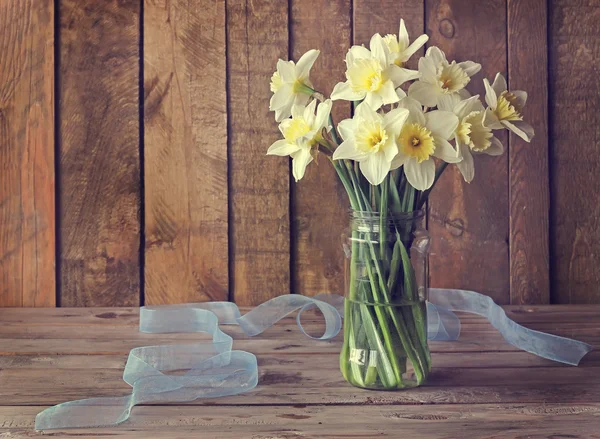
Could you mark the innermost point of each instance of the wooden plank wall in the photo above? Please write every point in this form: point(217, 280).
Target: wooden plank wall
point(157, 144)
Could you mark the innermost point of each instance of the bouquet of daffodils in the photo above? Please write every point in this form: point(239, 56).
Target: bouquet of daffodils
point(407, 127)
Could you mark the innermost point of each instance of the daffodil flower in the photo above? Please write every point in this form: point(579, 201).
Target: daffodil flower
point(472, 135)
point(301, 134)
point(439, 77)
point(424, 136)
point(505, 108)
point(399, 47)
point(370, 139)
point(372, 75)
point(291, 84)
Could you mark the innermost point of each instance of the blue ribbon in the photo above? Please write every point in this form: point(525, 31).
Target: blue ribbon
point(214, 369)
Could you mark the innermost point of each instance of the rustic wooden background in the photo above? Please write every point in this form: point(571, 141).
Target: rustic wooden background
point(133, 137)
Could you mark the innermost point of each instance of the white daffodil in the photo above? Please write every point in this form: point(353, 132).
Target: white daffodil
point(505, 108)
point(399, 47)
point(301, 134)
point(370, 139)
point(439, 77)
point(372, 75)
point(424, 136)
point(472, 135)
point(291, 84)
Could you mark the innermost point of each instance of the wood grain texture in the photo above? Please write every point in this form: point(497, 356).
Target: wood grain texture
point(575, 164)
point(574, 421)
point(319, 202)
point(469, 223)
point(259, 186)
point(502, 393)
point(27, 231)
point(529, 192)
point(185, 152)
point(99, 178)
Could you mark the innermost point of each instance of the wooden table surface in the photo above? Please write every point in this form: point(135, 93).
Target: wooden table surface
point(480, 387)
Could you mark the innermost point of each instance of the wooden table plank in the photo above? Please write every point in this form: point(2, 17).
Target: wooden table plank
point(449, 421)
point(55, 355)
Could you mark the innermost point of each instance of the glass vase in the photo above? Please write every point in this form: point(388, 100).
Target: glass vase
point(385, 319)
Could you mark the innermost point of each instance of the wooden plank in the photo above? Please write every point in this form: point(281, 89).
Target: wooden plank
point(27, 234)
point(319, 202)
point(257, 35)
point(529, 195)
point(575, 211)
point(185, 152)
point(110, 316)
point(285, 338)
point(460, 420)
point(99, 178)
point(291, 380)
point(469, 223)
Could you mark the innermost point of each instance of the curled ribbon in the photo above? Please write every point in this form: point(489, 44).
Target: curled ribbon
point(214, 369)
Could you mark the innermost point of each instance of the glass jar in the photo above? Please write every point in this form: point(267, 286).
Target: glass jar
point(385, 319)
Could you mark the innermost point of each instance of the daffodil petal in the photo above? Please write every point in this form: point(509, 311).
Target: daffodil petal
point(298, 111)
point(390, 149)
point(403, 35)
point(420, 175)
point(423, 92)
point(309, 113)
point(436, 55)
point(394, 120)
point(379, 49)
point(347, 150)
point(449, 102)
point(428, 70)
point(496, 148)
point(364, 111)
point(441, 123)
point(375, 167)
point(521, 97)
point(306, 62)
point(471, 68)
point(499, 84)
point(346, 128)
point(388, 93)
point(490, 120)
point(464, 108)
point(357, 52)
point(300, 160)
point(415, 110)
point(282, 148)
point(490, 95)
point(343, 91)
point(467, 165)
point(520, 128)
point(323, 110)
point(374, 101)
point(281, 97)
point(400, 75)
point(287, 71)
point(399, 160)
point(416, 45)
point(445, 151)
